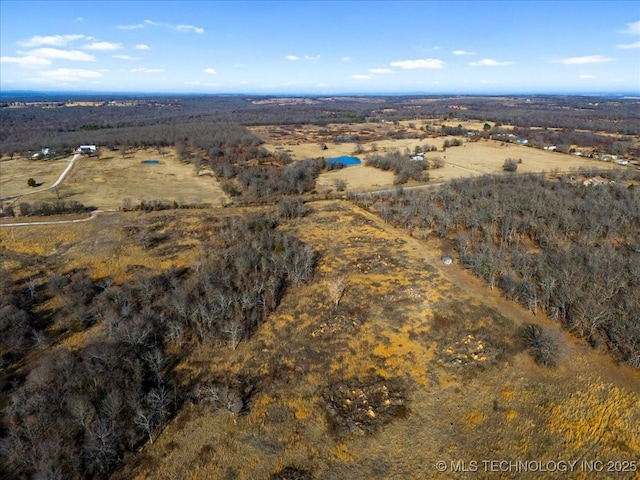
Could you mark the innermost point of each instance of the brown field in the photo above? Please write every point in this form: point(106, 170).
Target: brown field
point(470, 159)
point(357, 177)
point(439, 345)
point(106, 181)
point(14, 174)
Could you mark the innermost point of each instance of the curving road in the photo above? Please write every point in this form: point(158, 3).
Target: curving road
point(94, 214)
point(50, 187)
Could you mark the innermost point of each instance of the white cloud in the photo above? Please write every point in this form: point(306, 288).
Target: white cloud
point(462, 52)
point(420, 63)
point(322, 85)
point(26, 61)
point(56, 53)
point(131, 27)
point(306, 58)
point(142, 46)
point(633, 28)
point(381, 70)
point(584, 60)
point(627, 46)
point(177, 28)
point(103, 46)
point(360, 77)
point(79, 19)
point(290, 83)
point(146, 70)
point(51, 40)
point(201, 84)
point(489, 62)
point(126, 57)
point(210, 70)
point(189, 28)
point(586, 76)
point(65, 75)
point(346, 59)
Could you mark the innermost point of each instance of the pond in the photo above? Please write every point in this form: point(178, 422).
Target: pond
point(345, 160)
point(150, 162)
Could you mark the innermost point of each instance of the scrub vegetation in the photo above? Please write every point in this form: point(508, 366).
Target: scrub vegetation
point(242, 310)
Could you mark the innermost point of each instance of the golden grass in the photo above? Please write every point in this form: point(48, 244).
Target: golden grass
point(105, 181)
point(471, 159)
point(395, 287)
point(451, 410)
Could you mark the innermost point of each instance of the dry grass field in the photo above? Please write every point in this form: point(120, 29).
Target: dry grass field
point(100, 247)
point(106, 181)
point(357, 177)
point(15, 172)
point(470, 159)
point(417, 363)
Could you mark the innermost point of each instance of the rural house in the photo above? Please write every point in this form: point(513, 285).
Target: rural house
point(87, 149)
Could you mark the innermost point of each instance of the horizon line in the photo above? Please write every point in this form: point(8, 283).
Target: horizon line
point(621, 93)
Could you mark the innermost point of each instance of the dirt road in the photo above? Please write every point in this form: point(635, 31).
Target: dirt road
point(50, 187)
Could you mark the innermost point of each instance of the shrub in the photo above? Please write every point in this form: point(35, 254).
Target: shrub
point(31, 182)
point(541, 346)
point(340, 184)
point(510, 165)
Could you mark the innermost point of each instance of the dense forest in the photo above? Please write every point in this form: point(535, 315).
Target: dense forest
point(560, 247)
point(159, 121)
point(78, 412)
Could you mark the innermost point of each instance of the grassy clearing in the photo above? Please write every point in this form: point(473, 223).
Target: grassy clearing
point(15, 172)
point(106, 181)
point(471, 159)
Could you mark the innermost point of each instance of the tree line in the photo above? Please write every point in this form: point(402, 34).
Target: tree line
point(558, 247)
point(157, 121)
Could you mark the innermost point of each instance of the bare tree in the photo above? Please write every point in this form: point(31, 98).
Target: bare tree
point(234, 329)
point(145, 421)
point(197, 164)
point(336, 289)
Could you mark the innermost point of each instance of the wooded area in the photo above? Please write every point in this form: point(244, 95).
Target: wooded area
point(204, 120)
point(77, 412)
point(560, 247)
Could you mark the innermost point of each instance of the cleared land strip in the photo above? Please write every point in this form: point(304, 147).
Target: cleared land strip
point(93, 215)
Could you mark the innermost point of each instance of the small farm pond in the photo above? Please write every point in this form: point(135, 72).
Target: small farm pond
point(345, 160)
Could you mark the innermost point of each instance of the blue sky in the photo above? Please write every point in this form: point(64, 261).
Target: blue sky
point(321, 47)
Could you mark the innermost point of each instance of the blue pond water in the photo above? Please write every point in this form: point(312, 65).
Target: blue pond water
point(150, 162)
point(345, 160)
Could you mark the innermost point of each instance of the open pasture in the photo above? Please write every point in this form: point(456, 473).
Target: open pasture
point(15, 172)
point(106, 181)
point(471, 159)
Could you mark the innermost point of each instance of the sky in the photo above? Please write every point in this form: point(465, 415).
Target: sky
point(321, 47)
